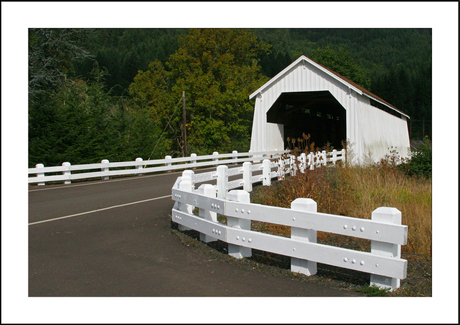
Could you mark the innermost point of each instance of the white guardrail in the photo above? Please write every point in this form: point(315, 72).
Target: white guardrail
point(139, 166)
point(384, 230)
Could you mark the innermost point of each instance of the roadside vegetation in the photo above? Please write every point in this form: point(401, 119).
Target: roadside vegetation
point(118, 93)
point(356, 191)
point(353, 191)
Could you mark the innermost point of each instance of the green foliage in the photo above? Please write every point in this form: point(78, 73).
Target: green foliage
point(341, 62)
point(373, 291)
point(131, 106)
point(419, 163)
point(125, 51)
point(52, 54)
point(217, 69)
point(76, 125)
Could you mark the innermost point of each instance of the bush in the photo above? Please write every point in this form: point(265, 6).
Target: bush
point(420, 162)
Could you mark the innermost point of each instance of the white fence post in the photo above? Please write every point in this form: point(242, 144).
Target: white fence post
point(168, 163)
point(303, 162)
point(193, 155)
point(208, 190)
point(386, 215)
point(66, 172)
point(139, 166)
point(234, 156)
point(215, 153)
point(222, 181)
point(40, 174)
point(343, 155)
point(104, 168)
point(307, 235)
point(247, 176)
point(292, 165)
point(324, 155)
point(334, 156)
point(235, 250)
point(281, 170)
point(266, 165)
point(185, 185)
point(190, 174)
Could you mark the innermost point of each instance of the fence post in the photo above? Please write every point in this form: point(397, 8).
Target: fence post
point(193, 155)
point(386, 215)
point(208, 190)
point(215, 153)
point(324, 155)
point(66, 172)
point(235, 250)
point(281, 170)
point(104, 168)
point(222, 181)
point(139, 166)
point(191, 174)
point(185, 185)
point(344, 157)
point(307, 235)
point(293, 165)
point(267, 181)
point(247, 176)
point(234, 156)
point(312, 160)
point(40, 174)
point(168, 163)
point(334, 156)
point(303, 162)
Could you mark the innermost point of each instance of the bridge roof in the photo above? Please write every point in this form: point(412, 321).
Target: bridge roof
point(347, 82)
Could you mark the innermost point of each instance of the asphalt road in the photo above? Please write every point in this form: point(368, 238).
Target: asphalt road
point(113, 238)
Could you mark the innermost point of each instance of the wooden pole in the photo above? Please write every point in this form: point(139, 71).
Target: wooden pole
point(184, 124)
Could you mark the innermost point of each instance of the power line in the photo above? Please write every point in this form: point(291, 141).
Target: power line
point(170, 118)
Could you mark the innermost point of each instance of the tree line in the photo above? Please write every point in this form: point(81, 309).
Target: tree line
point(117, 93)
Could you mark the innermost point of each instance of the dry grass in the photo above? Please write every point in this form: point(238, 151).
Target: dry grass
point(356, 192)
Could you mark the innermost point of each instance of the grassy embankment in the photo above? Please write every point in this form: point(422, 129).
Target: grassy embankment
point(356, 191)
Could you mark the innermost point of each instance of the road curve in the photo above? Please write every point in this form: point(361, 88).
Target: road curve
point(113, 239)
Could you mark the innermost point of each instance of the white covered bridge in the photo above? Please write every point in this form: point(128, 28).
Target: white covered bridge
point(309, 98)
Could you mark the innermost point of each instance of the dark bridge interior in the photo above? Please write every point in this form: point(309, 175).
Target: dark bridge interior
point(316, 113)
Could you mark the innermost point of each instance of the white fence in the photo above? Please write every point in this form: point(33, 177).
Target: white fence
point(384, 230)
point(139, 166)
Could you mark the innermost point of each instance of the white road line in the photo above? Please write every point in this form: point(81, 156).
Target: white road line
point(98, 210)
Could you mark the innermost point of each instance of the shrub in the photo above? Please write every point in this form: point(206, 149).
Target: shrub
point(419, 163)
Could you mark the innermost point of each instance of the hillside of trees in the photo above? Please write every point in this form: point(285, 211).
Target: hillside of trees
point(117, 93)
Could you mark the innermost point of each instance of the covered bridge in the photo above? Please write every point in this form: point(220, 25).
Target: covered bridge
point(309, 98)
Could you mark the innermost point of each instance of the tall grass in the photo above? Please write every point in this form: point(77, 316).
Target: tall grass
point(356, 191)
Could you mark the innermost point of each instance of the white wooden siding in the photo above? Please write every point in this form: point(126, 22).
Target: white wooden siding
point(367, 128)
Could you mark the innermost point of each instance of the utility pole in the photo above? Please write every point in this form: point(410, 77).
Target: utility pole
point(184, 151)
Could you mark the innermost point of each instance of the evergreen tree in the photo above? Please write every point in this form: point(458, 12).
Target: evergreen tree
point(217, 69)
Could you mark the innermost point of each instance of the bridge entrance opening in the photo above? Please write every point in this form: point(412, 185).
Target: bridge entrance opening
point(317, 113)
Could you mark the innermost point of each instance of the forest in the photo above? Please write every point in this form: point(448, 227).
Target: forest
point(117, 93)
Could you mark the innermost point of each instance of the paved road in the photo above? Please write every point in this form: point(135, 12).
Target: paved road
point(114, 238)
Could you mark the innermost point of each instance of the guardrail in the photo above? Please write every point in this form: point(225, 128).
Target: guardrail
point(139, 166)
point(384, 230)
